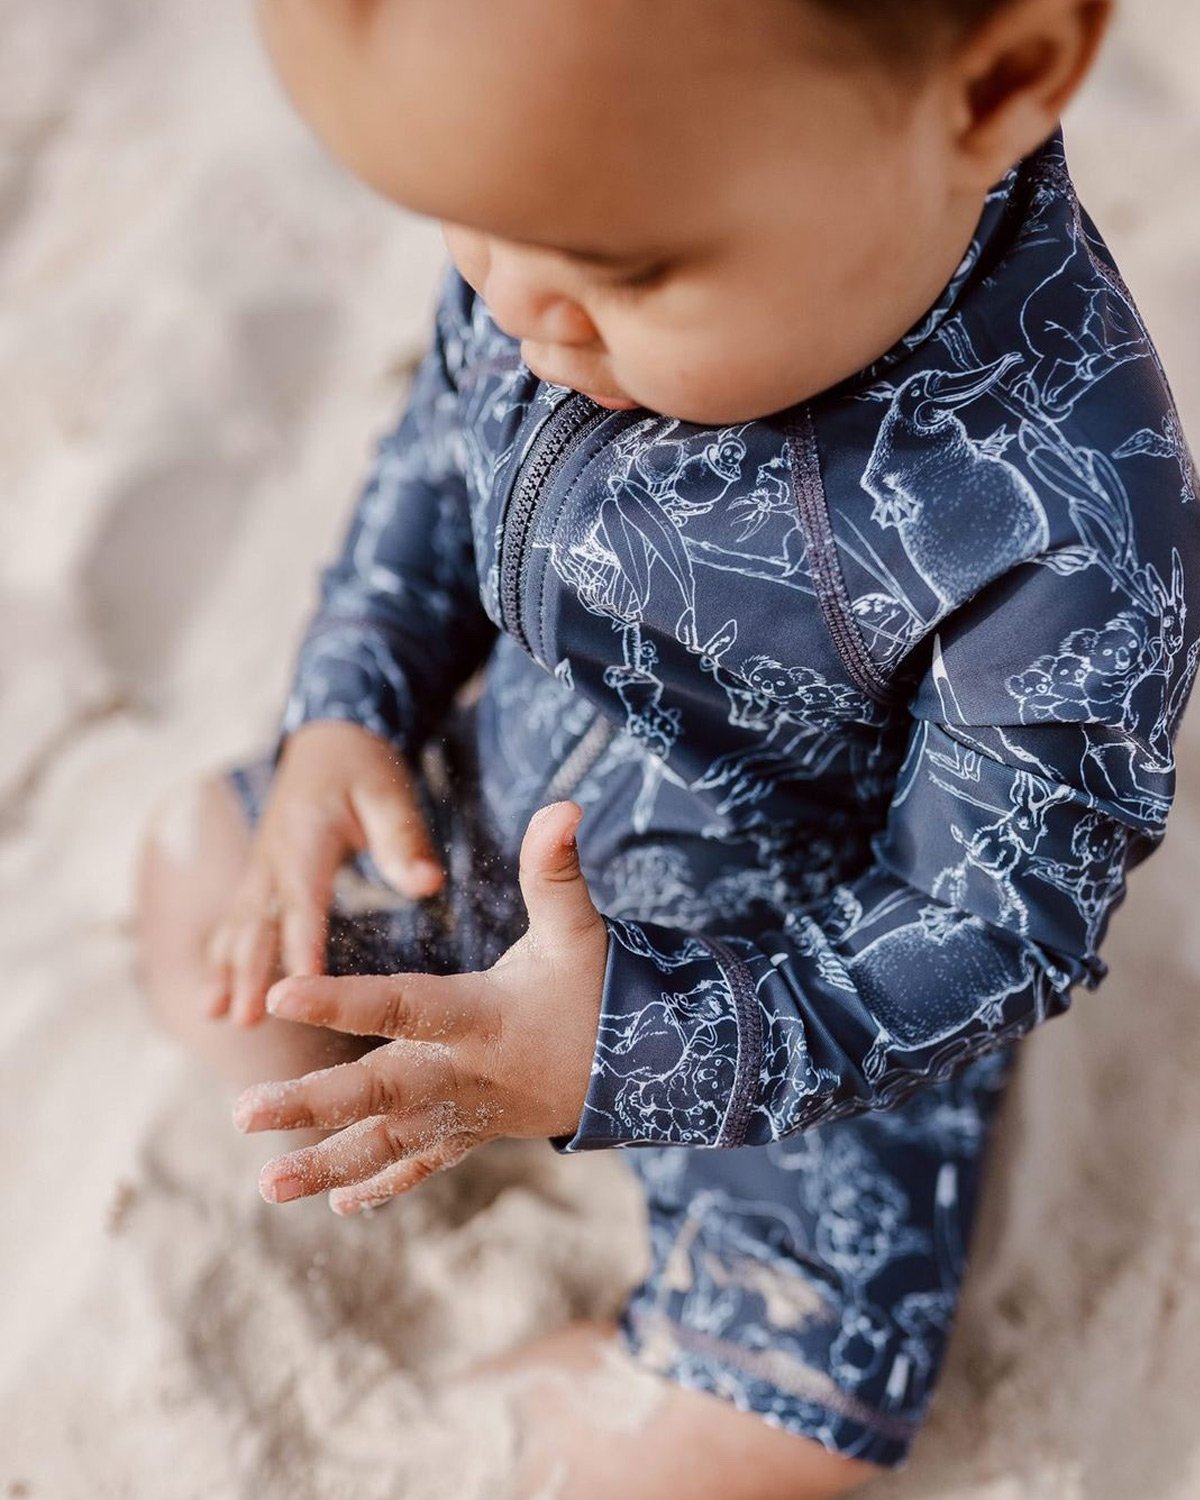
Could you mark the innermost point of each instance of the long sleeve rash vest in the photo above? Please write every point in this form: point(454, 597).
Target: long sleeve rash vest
point(870, 703)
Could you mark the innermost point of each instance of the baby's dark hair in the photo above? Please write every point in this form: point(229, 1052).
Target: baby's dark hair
point(908, 27)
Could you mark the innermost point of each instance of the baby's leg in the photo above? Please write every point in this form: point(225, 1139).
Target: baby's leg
point(191, 857)
point(584, 1435)
point(795, 1313)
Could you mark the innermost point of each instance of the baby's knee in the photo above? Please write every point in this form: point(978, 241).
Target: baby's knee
point(181, 823)
point(191, 849)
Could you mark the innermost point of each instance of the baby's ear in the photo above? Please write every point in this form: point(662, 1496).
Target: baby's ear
point(1012, 79)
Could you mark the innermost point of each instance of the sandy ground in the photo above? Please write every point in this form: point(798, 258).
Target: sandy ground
point(193, 364)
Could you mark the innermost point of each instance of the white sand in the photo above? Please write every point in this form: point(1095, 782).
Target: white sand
point(193, 364)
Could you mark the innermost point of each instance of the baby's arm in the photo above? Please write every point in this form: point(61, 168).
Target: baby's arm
point(400, 625)
point(1039, 771)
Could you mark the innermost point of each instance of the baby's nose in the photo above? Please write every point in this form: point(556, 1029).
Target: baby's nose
point(525, 311)
point(540, 318)
point(518, 295)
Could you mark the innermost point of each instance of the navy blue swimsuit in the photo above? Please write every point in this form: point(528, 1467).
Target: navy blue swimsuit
point(870, 705)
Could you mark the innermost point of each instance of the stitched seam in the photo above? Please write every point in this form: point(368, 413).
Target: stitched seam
point(750, 1044)
point(808, 1382)
point(826, 570)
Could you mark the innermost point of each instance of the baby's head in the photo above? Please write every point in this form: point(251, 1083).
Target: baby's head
point(710, 208)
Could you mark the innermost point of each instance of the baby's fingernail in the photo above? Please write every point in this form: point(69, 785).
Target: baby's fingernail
point(281, 1189)
point(246, 1109)
point(258, 1099)
point(343, 1206)
point(283, 1003)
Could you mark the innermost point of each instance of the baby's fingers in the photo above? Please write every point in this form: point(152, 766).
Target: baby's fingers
point(360, 1151)
point(400, 1176)
point(218, 982)
point(315, 848)
point(419, 1007)
point(386, 1081)
point(305, 932)
point(255, 961)
point(397, 838)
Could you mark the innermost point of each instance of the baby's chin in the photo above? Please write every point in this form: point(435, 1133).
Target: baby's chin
point(719, 402)
point(722, 413)
point(613, 400)
point(723, 410)
point(716, 403)
point(613, 403)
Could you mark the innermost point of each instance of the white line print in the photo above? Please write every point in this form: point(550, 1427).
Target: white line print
point(953, 500)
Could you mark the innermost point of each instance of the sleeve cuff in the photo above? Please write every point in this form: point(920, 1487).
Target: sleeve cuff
point(679, 1045)
point(341, 675)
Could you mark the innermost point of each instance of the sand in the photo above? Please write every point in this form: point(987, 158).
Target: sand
point(203, 326)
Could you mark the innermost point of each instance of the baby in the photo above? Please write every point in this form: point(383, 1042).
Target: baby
point(792, 460)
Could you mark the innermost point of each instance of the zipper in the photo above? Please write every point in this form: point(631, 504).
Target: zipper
point(582, 758)
point(571, 420)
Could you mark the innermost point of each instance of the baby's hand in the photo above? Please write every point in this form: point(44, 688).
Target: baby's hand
point(337, 789)
point(506, 1052)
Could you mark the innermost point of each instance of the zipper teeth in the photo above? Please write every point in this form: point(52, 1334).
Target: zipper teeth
point(581, 760)
point(549, 449)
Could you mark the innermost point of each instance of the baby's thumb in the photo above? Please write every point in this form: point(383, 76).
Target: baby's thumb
point(398, 840)
point(556, 894)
